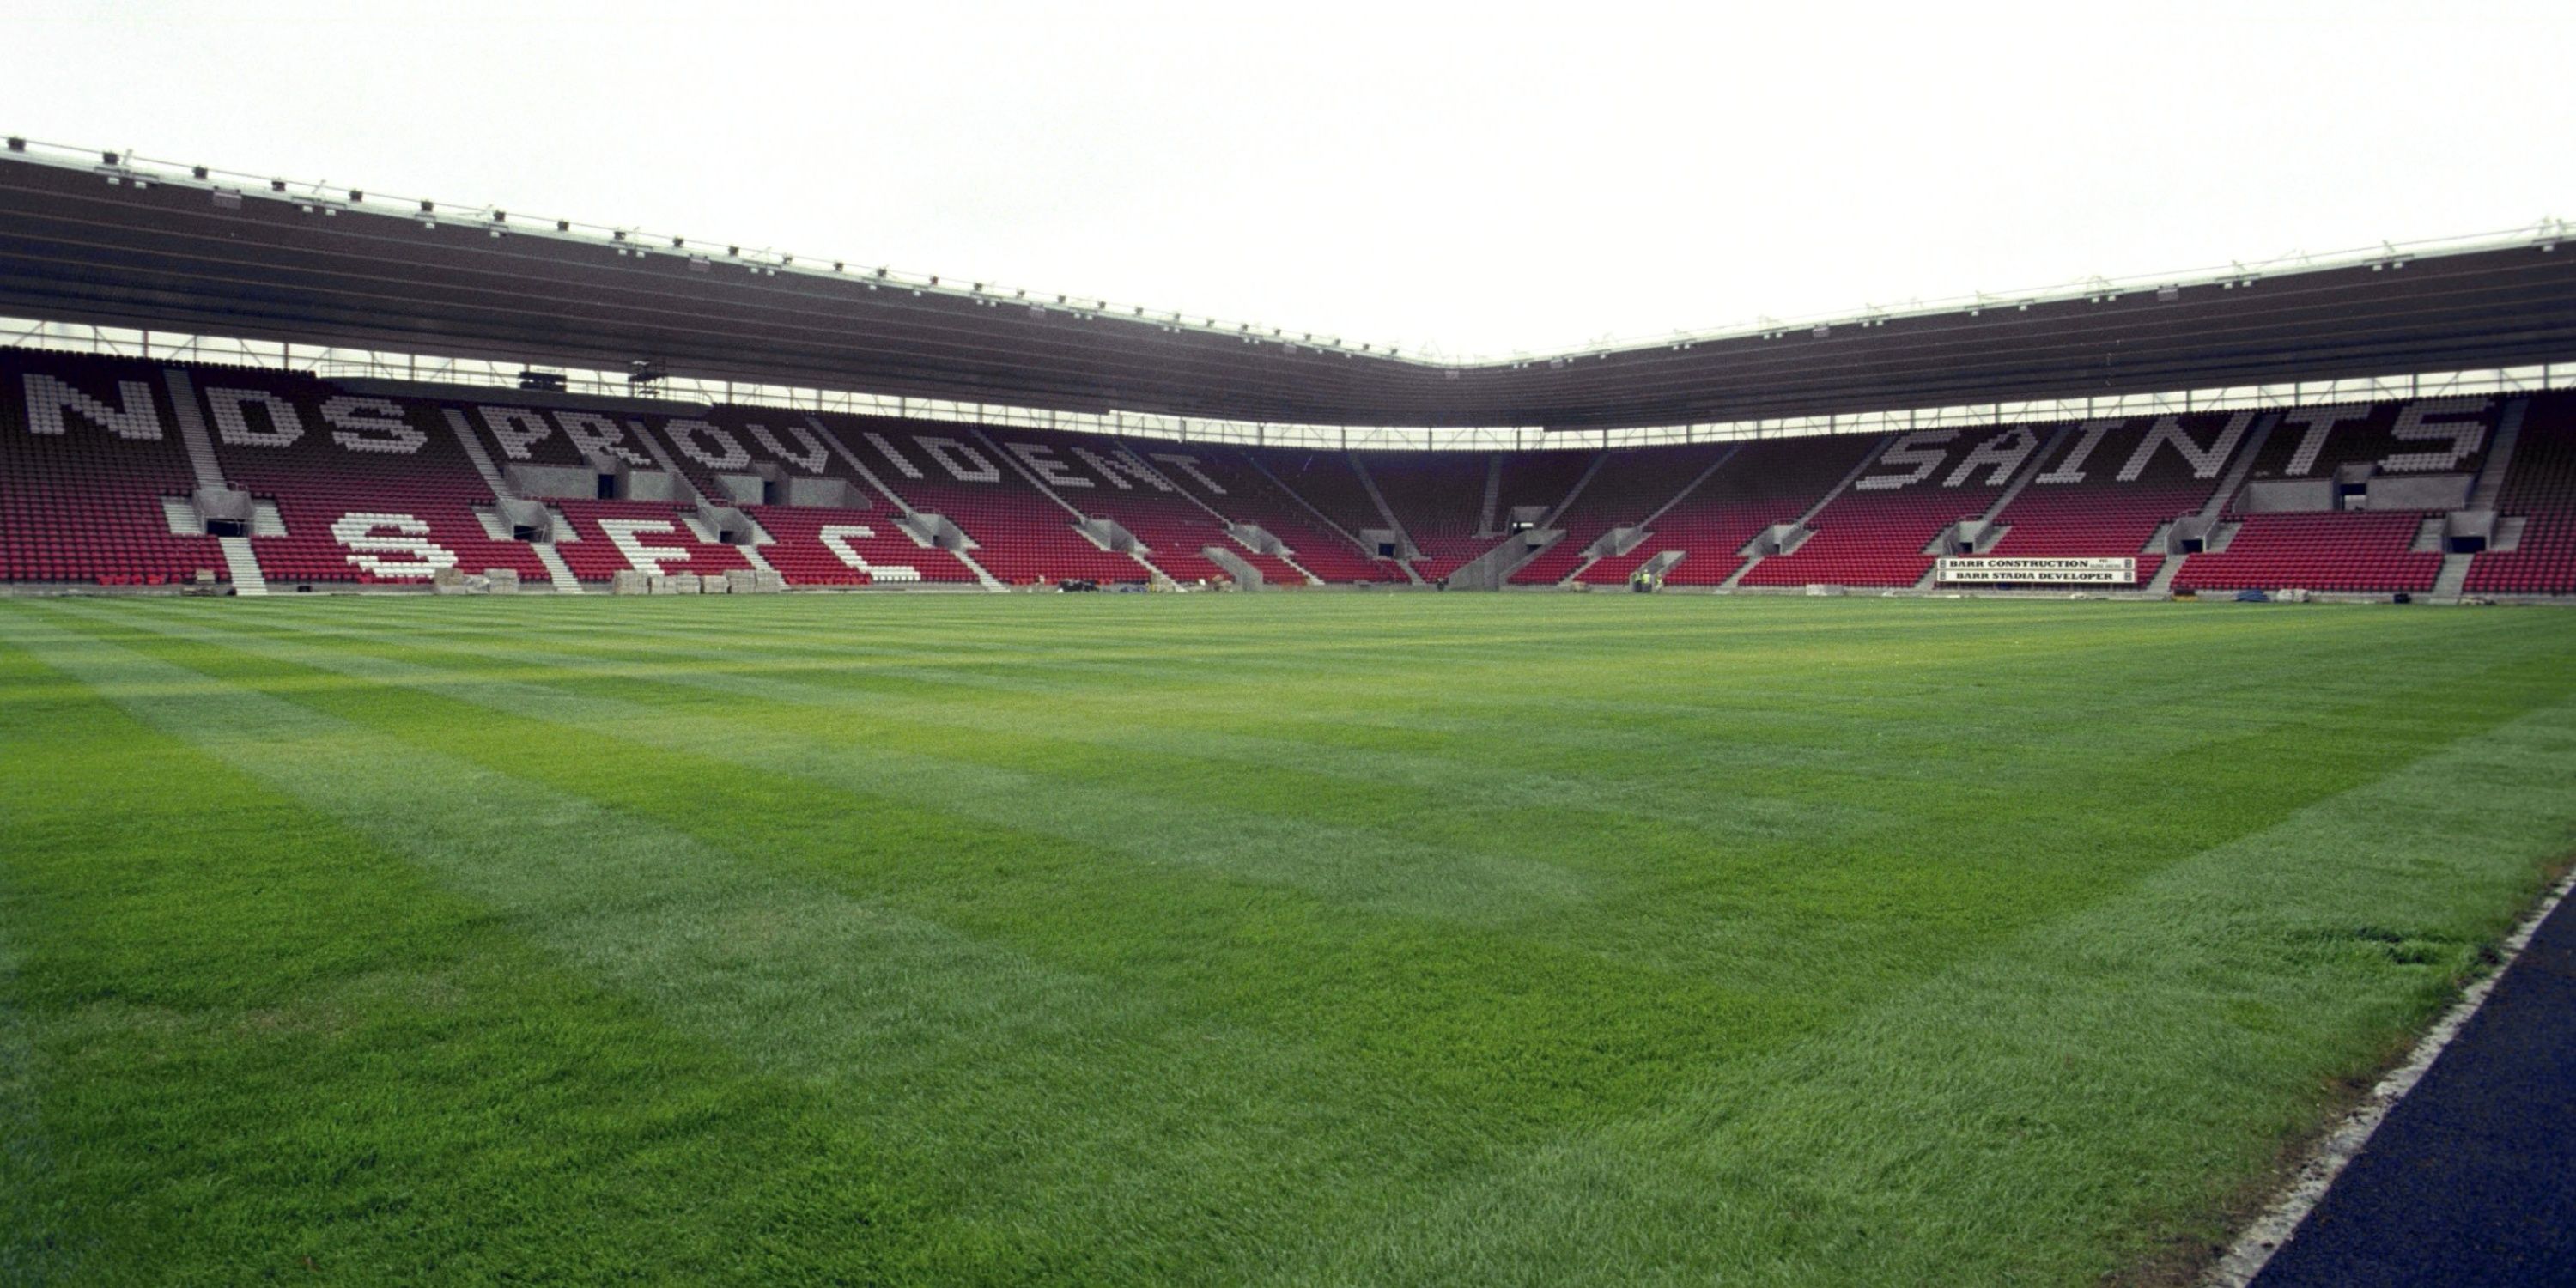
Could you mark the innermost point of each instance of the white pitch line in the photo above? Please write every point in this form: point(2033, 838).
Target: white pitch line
point(2317, 1172)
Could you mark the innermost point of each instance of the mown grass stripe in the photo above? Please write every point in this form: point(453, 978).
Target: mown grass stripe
point(1445, 1009)
point(262, 1046)
point(31, 1247)
point(1986, 1126)
point(1766, 870)
point(2183, 697)
point(1359, 867)
point(1725, 1060)
point(955, 1050)
point(1189, 724)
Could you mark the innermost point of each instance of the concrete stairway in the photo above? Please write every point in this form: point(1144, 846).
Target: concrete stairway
point(481, 460)
point(2021, 478)
point(1648, 523)
point(1571, 494)
point(1386, 512)
point(2029, 470)
point(983, 578)
point(2219, 497)
point(750, 550)
point(1692, 486)
point(558, 573)
point(181, 514)
point(192, 431)
point(243, 566)
point(2453, 578)
point(1867, 459)
point(1220, 516)
point(2508, 435)
point(240, 563)
point(1321, 518)
point(1082, 523)
point(2243, 465)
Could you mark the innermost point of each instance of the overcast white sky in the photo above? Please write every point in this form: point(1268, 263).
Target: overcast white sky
point(1482, 179)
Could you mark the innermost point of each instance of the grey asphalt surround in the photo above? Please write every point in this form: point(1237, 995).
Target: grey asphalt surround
point(2471, 1178)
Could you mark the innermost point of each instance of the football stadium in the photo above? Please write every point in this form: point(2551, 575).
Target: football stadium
point(536, 751)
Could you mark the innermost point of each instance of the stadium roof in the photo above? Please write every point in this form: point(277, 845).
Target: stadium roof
point(113, 241)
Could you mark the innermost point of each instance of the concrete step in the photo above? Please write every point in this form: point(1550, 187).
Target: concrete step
point(2499, 460)
point(2428, 535)
point(557, 571)
point(2030, 470)
point(474, 452)
point(1571, 494)
point(243, 565)
point(2234, 479)
point(2162, 582)
point(1404, 543)
point(1323, 521)
point(1692, 486)
point(2453, 578)
point(192, 430)
point(181, 514)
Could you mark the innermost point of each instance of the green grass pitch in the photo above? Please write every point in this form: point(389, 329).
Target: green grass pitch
point(1279, 939)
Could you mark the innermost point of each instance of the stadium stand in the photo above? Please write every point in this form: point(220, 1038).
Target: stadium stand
point(1438, 498)
point(1626, 488)
point(367, 489)
point(1709, 526)
point(1025, 535)
point(1874, 533)
point(89, 454)
point(648, 536)
point(1245, 493)
point(1328, 484)
point(599, 472)
point(828, 523)
point(1105, 480)
point(2535, 552)
point(1524, 490)
point(2109, 488)
point(2335, 552)
point(2338, 497)
point(129, 473)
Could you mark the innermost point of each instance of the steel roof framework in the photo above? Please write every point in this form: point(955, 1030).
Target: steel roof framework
point(110, 241)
